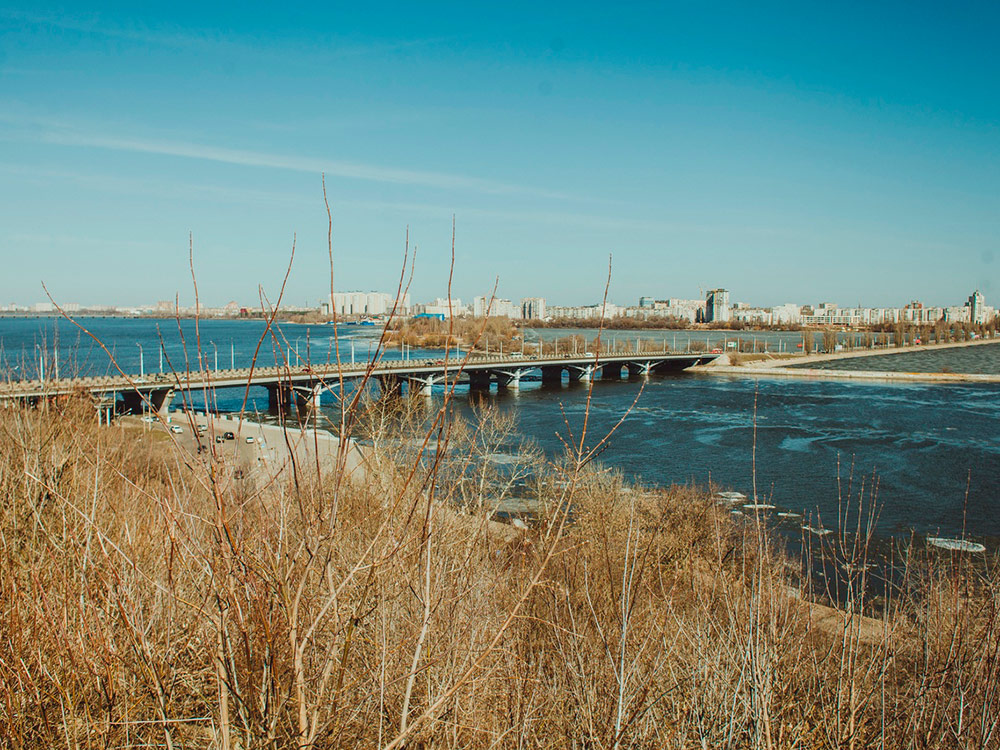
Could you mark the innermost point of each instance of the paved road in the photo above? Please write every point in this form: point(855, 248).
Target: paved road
point(263, 451)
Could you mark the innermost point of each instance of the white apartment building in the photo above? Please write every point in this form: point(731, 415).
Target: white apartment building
point(585, 312)
point(532, 308)
point(499, 307)
point(752, 315)
point(365, 303)
point(786, 314)
point(440, 308)
point(717, 306)
point(976, 305)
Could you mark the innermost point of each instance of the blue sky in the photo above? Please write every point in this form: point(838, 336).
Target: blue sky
point(785, 151)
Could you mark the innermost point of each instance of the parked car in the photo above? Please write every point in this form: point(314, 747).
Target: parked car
point(228, 435)
point(176, 429)
point(249, 438)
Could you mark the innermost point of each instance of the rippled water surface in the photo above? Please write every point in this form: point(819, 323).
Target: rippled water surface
point(923, 444)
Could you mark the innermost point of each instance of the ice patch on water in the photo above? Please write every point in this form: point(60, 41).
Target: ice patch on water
point(708, 436)
point(503, 458)
point(798, 445)
point(957, 545)
point(817, 532)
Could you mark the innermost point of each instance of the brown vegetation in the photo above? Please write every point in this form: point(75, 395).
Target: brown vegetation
point(147, 599)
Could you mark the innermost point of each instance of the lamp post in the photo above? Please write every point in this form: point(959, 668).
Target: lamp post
point(232, 354)
point(216, 354)
point(142, 368)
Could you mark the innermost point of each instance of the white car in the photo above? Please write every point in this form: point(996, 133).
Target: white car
point(249, 438)
point(176, 429)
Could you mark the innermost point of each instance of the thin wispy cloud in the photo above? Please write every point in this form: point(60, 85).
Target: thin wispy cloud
point(311, 165)
point(177, 37)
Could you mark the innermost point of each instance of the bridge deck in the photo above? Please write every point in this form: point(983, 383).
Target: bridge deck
point(330, 374)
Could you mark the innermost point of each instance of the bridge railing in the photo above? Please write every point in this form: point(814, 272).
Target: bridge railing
point(150, 381)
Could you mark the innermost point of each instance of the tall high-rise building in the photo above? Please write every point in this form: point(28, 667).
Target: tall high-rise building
point(532, 308)
point(717, 306)
point(977, 307)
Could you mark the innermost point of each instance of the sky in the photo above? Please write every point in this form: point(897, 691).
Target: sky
point(790, 152)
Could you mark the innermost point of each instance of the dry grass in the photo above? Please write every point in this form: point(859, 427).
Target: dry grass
point(149, 601)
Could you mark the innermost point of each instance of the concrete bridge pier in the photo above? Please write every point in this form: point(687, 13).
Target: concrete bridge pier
point(637, 369)
point(104, 405)
point(580, 373)
point(510, 378)
point(479, 380)
point(552, 375)
point(307, 397)
point(278, 398)
point(423, 385)
point(135, 402)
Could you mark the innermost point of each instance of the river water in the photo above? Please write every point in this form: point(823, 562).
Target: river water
point(933, 450)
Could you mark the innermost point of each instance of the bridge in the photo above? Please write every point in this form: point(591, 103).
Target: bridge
point(303, 385)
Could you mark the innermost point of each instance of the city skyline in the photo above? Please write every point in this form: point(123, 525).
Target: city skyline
point(790, 147)
point(713, 307)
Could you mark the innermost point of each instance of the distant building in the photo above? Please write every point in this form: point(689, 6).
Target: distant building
point(441, 308)
point(647, 302)
point(786, 314)
point(752, 315)
point(717, 306)
point(495, 307)
point(533, 308)
point(829, 314)
point(976, 305)
point(365, 303)
point(586, 312)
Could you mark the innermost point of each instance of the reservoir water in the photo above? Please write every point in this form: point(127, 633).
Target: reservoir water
point(933, 450)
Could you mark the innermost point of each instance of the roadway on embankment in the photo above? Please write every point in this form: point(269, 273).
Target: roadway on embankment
point(792, 367)
point(265, 451)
